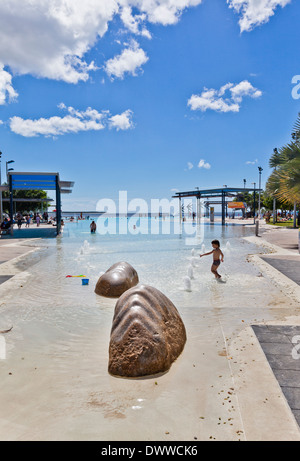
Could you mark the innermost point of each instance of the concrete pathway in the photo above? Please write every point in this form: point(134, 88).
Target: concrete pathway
point(283, 237)
point(281, 345)
point(288, 265)
point(280, 342)
point(43, 231)
point(13, 248)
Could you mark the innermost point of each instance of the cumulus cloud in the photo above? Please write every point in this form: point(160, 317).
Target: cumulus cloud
point(129, 61)
point(216, 100)
point(204, 164)
point(7, 92)
point(50, 38)
point(190, 165)
point(163, 12)
point(73, 122)
point(134, 23)
point(255, 12)
point(249, 162)
point(121, 121)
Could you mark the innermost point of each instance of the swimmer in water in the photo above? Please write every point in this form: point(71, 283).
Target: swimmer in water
point(217, 254)
point(93, 227)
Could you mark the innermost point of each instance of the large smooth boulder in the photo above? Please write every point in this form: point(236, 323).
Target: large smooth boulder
point(147, 333)
point(117, 279)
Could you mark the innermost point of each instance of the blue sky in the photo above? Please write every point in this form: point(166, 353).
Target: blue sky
point(147, 96)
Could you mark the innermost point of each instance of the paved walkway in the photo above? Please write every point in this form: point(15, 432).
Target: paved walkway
point(288, 265)
point(10, 249)
point(43, 231)
point(281, 236)
point(279, 343)
point(20, 243)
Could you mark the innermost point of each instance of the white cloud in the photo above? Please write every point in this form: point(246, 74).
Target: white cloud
point(129, 61)
point(190, 165)
point(50, 38)
point(214, 99)
point(74, 122)
point(242, 89)
point(249, 162)
point(204, 164)
point(134, 23)
point(163, 12)
point(255, 12)
point(7, 92)
point(121, 121)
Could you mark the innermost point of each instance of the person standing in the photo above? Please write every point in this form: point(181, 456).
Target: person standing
point(93, 227)
point(19, 219)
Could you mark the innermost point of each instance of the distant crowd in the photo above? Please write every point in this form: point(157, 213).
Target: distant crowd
point(281, 216)
point(27, 219)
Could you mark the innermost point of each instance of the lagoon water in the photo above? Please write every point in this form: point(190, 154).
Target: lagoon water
point(169, 262)
point(164, 260)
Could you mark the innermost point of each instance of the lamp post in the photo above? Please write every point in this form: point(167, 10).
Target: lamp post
point(8, 169)
point(274, 198)
point(244, 183)
point(259, 170)
point(254, 200)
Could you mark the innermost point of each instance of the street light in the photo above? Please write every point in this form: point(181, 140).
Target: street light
point(254, 200)
point(259, 171)
point(244, 183)
point(7, 163)
point(274, 198)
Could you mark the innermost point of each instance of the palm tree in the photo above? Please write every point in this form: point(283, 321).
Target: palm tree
point(284, 182)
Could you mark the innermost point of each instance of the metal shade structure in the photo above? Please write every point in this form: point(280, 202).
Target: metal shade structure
point(222, 192)
point(39, 181)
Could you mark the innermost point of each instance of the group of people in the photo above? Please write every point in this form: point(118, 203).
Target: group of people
point(281, 216)
point(27, 219)
point(36, 217)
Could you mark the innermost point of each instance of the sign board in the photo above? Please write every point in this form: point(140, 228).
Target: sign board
point(236, 205)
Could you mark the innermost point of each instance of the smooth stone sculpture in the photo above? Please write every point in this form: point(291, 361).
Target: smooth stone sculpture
point(147, 333)
point(117, 279)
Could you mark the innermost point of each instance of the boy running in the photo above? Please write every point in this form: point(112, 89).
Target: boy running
point(217, 254)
